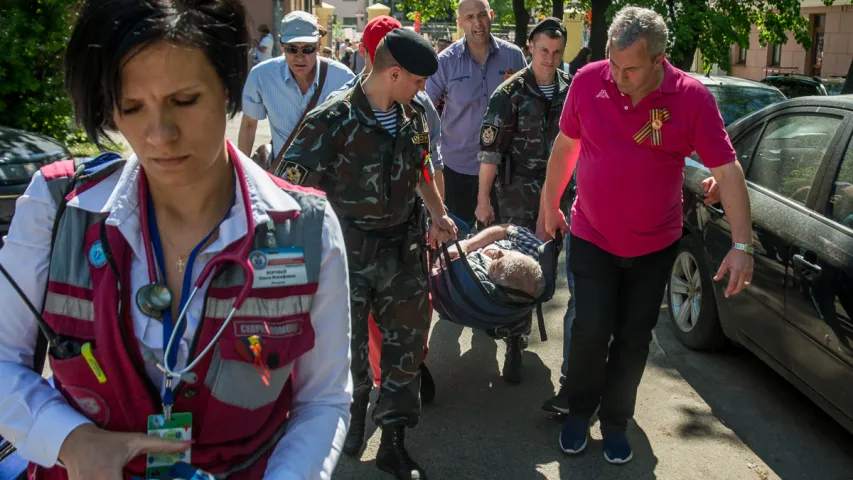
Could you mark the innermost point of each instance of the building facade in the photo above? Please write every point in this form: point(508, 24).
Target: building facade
point(831, 30)
point(351, 13)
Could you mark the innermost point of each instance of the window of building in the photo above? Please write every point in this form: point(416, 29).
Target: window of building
point(350, 21)
point(818, 26)
point(741, 55)
point(776, 60)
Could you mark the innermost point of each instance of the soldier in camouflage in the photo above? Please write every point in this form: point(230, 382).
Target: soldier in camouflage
point(368, 149)
point(518, 130)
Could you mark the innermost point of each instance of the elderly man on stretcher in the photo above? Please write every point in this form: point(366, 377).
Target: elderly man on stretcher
point(503, 255)
point(506, 272)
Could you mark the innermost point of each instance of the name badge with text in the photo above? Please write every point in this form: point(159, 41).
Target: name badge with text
point(282, 267)
point(179, 429)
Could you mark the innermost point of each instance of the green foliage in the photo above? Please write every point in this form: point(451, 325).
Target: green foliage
point(33, 36)
point(337, 29)
point(88, 149)
point(429, 9)
point(714, 26)
point(439, 9)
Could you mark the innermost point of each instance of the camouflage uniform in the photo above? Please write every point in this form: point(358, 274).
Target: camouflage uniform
point(517, 134)
point(370, 179)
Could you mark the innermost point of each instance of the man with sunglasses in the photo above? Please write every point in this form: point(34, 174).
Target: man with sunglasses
point(286, 88)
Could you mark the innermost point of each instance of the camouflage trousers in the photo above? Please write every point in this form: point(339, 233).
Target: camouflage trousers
point(395, 293)
point(518, 201)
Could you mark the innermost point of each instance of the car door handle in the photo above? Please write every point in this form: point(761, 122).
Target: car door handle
point(800, 260)
point(716, 210)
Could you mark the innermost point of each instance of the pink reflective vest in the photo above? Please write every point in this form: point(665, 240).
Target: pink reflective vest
point(237, 419)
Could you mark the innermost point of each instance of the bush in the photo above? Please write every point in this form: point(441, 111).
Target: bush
point(33, 37)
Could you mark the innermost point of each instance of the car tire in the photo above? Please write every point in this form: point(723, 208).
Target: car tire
point(698, 327)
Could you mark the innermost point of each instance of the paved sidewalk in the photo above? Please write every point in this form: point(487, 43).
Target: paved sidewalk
point(262, 136)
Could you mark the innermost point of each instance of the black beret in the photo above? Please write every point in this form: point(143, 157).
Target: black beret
point(549, 23)
point(412, 51)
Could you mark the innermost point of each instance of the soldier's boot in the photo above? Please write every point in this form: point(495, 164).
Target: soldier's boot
point(513, 370)
point(393, 458)
point(355, 435)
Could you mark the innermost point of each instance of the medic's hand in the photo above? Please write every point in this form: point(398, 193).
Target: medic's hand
point(90, 453)
point(555, 220)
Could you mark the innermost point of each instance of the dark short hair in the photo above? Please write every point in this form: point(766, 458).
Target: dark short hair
point(550, 33)
point(382, 59)
point(107, 30)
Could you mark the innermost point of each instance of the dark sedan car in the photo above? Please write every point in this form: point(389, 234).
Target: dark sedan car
point(738, 97)
point(796, 314)
point(793, 85)
point(21, 155)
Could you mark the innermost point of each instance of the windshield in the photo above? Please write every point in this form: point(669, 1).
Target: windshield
point(798, 89)
point(737, 102)
point(833, 85)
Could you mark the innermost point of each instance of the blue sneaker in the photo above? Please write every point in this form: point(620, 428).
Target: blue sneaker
point(573, 438)
point(617, 450)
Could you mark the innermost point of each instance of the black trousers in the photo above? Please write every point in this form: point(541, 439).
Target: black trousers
point(460, 192)
point(619, 297)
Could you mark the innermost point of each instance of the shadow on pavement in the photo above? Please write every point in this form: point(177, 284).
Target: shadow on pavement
point(791, 434)
point(480, 427)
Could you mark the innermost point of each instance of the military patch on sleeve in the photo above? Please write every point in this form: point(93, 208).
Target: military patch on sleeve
point(420, 138)
point(295, 173)
point(488, 134)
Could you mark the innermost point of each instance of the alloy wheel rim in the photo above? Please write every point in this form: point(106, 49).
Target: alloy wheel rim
point(685, 292)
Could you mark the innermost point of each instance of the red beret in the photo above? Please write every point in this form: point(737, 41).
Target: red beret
point(375, 31)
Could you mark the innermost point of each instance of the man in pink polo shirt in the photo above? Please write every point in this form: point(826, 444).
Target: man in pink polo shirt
point(628, 123)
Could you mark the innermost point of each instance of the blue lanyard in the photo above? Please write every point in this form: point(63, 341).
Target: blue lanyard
point(171, 357)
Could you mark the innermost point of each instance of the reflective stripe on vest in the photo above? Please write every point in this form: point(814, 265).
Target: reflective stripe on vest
point(234, 413)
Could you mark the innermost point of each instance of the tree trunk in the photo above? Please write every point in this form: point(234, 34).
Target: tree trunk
point(848, 84)
point(558, 9)
point(686, 61)
point(522, 17)
point(598, 29)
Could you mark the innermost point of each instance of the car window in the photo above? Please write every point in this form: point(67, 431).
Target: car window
point(841, 201)
point(789, 153)
point(715, 91)
point(798, 89)
point(745, 146)
point(833, 86)
point(736, 102)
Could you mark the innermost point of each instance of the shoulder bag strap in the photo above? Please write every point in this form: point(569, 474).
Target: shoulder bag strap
point(324, 67)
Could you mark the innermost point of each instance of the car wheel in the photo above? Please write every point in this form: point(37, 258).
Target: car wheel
point(690, 298)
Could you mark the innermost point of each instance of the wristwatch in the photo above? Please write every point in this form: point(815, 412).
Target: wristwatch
point(744, 247)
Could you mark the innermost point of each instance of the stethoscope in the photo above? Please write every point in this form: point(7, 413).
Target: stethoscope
point(155, 300)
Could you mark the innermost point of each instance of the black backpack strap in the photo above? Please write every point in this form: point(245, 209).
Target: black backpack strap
point(541, 320)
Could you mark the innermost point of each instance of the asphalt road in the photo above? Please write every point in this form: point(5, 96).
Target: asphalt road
point(699, 416)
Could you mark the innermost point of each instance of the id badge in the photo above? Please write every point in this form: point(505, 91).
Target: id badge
point(180, 429)
point(280, 267)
